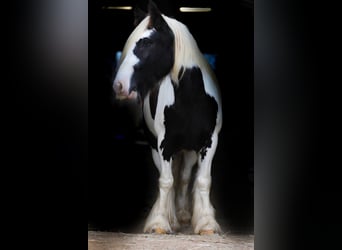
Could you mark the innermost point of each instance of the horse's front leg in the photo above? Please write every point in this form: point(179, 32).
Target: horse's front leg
point(203, 218)
point(162, 218)
point(182, 197)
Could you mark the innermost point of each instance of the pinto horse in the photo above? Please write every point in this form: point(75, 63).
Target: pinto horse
point(162, 66)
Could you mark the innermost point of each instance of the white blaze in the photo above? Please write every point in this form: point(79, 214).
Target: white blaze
point(125, 72)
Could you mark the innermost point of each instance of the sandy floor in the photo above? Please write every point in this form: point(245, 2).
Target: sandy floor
point(110, 240)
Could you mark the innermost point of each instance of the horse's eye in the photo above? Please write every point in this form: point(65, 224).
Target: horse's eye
point(146, 42)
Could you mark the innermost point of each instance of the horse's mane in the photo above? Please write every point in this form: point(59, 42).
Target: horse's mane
point(187, 53)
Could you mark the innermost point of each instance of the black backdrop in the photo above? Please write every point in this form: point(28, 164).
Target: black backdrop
point(297, 180)
point(122, 179)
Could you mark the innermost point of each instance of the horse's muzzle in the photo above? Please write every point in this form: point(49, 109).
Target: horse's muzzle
point(121, 93)
point(118, 88)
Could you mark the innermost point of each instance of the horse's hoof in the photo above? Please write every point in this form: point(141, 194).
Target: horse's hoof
point(206, 232)
point(159, 230)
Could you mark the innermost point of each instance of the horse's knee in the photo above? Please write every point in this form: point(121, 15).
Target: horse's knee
point(203, 183)
point(165, 182)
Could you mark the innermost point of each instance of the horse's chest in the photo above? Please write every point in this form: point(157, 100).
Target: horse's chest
point(186, 115)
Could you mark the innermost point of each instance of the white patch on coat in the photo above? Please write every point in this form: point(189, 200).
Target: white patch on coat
point(166, 97)
point(148, 115)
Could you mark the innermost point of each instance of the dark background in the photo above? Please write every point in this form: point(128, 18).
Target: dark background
point(122, 179)
point(46, 182)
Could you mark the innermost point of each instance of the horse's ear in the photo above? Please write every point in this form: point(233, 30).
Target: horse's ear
point(156, 19)
point(139, 15)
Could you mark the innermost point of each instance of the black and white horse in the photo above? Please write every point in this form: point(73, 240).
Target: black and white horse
point(162, 66)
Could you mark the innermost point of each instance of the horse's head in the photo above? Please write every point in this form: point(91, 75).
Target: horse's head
point(147, 57)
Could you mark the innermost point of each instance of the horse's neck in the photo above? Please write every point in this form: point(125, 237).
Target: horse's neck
point(163, 95)
point(166, 82)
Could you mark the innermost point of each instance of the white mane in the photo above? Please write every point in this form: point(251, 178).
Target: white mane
point(187, 53)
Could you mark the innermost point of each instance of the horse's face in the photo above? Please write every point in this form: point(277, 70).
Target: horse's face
point(148, 57)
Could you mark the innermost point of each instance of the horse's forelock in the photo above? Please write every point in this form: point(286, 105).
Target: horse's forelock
point(134, 37)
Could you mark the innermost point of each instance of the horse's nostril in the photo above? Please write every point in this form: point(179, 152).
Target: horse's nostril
point(118, 87)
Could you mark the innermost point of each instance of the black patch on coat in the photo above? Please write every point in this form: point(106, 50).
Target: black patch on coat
point(191, 120)
point(156, 58)
point(154, 100)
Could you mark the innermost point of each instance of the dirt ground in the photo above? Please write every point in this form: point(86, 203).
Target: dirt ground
point(98, 240)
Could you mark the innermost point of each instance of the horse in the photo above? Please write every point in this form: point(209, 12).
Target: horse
point(162, 67)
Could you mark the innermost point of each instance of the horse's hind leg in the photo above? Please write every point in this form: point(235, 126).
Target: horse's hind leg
point(203, 219)
point(162, 218)
point(182, 197)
